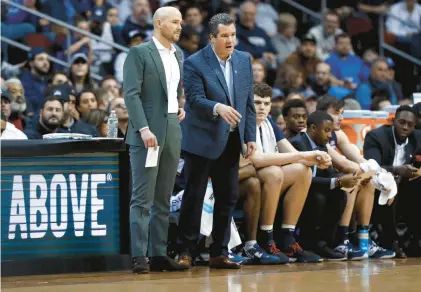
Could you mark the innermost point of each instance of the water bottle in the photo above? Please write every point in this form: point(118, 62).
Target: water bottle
point(363, 239)
point(112, 125)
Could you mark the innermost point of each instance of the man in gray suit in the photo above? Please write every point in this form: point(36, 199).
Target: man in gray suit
point(152, 86)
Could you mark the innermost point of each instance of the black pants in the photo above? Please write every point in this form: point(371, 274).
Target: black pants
point(224, 174)
point(407, 206)
point(321, 213)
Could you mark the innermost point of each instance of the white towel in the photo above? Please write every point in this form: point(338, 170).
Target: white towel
point(268, 145)
point(382, 181)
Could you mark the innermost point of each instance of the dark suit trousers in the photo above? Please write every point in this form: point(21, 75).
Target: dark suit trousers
point(152, 189)
point(321, 213)
point(224, 174)
point(405, 208)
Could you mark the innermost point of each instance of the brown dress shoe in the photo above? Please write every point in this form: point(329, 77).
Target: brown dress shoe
point(223, 262)
point(185, 260)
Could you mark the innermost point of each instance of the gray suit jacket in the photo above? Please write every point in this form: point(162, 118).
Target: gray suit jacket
point(145, 92)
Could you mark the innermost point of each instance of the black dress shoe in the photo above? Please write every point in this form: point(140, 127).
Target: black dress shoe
point(165, 263)
point(140, 265)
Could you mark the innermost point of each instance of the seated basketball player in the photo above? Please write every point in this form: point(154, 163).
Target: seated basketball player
point(282, 171)
point(361, 202)
point(397, 148)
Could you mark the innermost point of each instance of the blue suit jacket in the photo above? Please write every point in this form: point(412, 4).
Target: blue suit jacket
point(204, 86)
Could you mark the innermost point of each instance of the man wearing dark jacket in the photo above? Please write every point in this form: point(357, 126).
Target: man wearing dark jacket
point(325, 201)
point(397, 148)
point(50, 119)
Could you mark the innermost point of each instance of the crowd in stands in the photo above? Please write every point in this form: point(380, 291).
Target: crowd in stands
point(303, 83)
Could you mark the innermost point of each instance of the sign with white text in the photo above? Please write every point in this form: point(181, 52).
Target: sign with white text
point(60, 206)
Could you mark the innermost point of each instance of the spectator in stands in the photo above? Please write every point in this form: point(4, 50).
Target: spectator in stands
point(278, 100)
point(360, 201)
point(50, 118)
point(345, 66)
point(86, 101)
point(326, 201)
point(120, 108)
point(189, 41)
point(140, 19)
point(259, 71)
point(98, 119)
point(112, 18)
point(79, 43)
point(111, 84)
point(9, 131)
point(251, 38)
point(99, 8)
point(277, 166)
point(136, 37)
point(320, 83)
point(17, 104)
point(377, 79)
point(267, 17)
point(397, 87)
point(304, 59)
point(193, 16)
point(285, 42)
point(124, 9)
point(14, 25)
point(395, 148)
point(290, 80)
point(279, 120)
point(80, 73)
point(295, 115)
point(380, 98)
point(69, 124)
point(404, 20)
point(325, 34)
point(35, 81)
point(59, 78)
point(103, 98)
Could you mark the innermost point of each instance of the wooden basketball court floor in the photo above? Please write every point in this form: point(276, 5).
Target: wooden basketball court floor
point(371, 275)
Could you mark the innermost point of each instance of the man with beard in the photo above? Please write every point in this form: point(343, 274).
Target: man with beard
point(50, 118)
point(70, 124)
point(18, 103)
point(378, 79)
point(397, 148)
point(139, 20)
point(346, 67)
point(304, 60)
point(35, 81)
point(152, 84)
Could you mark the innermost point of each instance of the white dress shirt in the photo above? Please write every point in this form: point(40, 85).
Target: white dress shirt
point(399, 158)
point(402, 23)
point(172, 74)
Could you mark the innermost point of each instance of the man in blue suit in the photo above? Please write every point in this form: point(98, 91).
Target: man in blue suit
point(220, 119)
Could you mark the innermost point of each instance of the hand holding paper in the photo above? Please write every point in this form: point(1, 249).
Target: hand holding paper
point(152, 157)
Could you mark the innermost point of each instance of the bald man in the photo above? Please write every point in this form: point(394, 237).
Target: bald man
point(152, 86)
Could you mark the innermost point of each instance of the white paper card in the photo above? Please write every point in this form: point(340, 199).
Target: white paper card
point(152, 157)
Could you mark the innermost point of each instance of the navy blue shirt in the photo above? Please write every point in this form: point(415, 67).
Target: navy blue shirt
point(254, 41)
